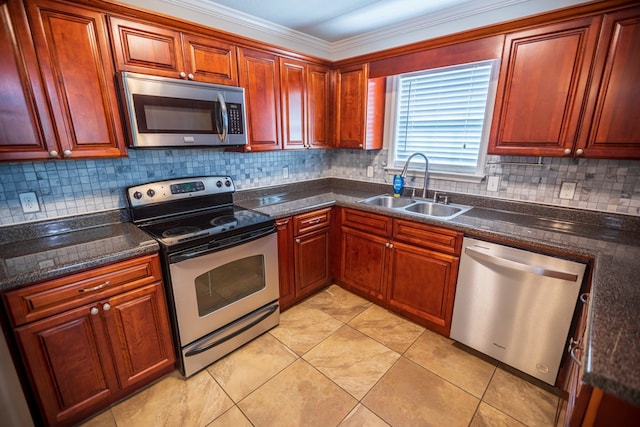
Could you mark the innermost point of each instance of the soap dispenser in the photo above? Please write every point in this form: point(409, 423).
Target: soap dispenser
point(398, 185)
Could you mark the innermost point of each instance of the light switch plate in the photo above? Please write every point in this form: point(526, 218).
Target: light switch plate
point(285, 172)
point(567, 190)
point(370, 171)
point(492, 183)
point(29, 202)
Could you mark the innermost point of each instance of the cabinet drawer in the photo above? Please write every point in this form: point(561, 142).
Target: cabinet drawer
point(311, 221)
point(427, 236)
point(365, 221)
point(55, 296)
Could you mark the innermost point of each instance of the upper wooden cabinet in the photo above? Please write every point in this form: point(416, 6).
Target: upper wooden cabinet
point(146, 48)
point(541, 88)
point(319, 102)
point(611, 128)
point(75, 75)
point(359, 102)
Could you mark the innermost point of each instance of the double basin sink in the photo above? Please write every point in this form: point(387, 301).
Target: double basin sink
point(421, 207)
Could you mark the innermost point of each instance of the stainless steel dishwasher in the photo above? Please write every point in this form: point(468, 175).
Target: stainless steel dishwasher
point(515, 306)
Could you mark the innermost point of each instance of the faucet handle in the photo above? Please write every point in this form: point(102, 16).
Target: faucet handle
point(441, 197)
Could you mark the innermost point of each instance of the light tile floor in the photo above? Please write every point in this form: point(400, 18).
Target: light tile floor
point(338, 360)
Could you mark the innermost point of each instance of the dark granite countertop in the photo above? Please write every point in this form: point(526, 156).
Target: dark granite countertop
point(611, 241)
point(33, 252)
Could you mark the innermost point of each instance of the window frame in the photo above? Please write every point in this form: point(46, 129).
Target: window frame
point(391, 120)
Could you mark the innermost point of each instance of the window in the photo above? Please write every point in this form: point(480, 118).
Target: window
point(444, 113)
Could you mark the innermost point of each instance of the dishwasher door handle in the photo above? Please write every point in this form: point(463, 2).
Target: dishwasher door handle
point(514, 265)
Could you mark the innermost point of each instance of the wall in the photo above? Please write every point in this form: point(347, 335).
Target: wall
point(71, 187)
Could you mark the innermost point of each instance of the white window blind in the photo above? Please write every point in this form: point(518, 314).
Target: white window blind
point(442, 113)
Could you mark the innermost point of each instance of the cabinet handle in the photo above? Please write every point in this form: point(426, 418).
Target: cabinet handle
point(314, 221)
point(66, 153)
point(190, 76)
point(579, 152)
point(297, 240)
point(53, 153)
point(574, 357)
point(106, 306)
point(94, 311)
point(95, 288)
point(182, 74)
point(584, 298)
point(567, 151)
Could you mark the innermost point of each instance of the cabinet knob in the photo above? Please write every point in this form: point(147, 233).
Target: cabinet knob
point(182, 74)
point(579, 152)
point(248, 148)
point(53, 153)
point(297, 240)
point(66, 153)
point(106, 306)
point(94, 311)
point(190, 76)
point(360, 146)
point(567, 151)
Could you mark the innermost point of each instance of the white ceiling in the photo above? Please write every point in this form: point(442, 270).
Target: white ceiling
point(338, 29)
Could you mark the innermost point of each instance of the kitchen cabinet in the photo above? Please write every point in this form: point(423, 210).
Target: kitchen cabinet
point(76, 77)
point(259, 75)
point(146, 48)
point(405, 266)
point(611, 128)
point(582, 404)
point(319, 106)
point(26, 128)
point(303, 255)
point(359, 103)
point(89, 339)
point(541, 89)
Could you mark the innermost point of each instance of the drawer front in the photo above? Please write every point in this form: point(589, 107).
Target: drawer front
point(365, 221)
point(428, 236)
point(311, 221)
point(55, 296)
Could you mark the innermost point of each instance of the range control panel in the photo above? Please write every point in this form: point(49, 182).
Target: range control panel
point(176, 189)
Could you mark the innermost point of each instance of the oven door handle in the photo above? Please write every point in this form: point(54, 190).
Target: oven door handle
point(269, 311)
point(225, 243)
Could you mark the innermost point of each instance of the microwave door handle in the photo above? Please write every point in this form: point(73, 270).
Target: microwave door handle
point(225, 118)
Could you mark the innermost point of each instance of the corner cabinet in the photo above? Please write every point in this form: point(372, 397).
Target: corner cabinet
point(541, 89)
point(359, 101)
point(90, 339)
point(143, 47)
point(408, 267)
point(73, 71)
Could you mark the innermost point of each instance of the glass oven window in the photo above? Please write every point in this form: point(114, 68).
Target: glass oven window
point(229, 283)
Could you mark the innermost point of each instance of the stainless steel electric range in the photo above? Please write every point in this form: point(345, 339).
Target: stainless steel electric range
point(220, 264)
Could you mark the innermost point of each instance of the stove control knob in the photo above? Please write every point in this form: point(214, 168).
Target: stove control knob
point(151, 192)
point(137, 195)
point(219, 184)
point(227, 183)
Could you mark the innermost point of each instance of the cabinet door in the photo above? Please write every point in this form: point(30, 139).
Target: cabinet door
point(143, 48)
point(26, 131)
point(362, 267)
point(210, 60)
point(73, 50)
point(293, 86)
point(422, 285)
point(284, 229)
point(541, 89)
point(68, 360)
point(138, 326)
point(351, 92)
point(611, 127)
point(319, 102)
point(260, 78)
point(311, 254)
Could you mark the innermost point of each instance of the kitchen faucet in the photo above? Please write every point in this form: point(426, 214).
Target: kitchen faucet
point(426, 171)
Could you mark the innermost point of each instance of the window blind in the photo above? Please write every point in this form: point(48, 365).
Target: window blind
point(441, 114)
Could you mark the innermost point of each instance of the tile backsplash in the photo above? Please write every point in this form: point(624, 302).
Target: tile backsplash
point(71, 187)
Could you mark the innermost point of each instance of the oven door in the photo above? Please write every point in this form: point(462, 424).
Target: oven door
point(215, 289)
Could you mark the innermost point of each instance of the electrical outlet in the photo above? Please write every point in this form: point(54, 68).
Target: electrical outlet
point(29, 202)
point(369, 171)
point(492, 183)
point(285, 172)
point(567, 190)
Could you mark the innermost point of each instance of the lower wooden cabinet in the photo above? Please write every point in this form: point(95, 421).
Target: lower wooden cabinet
point(408, 267)
point(89, 339)
point(304, 261)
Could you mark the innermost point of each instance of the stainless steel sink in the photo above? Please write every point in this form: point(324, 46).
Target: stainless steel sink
point(388, 201)
point(416, 206)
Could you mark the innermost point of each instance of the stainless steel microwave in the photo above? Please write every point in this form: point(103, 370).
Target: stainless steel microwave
point(165, 112)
